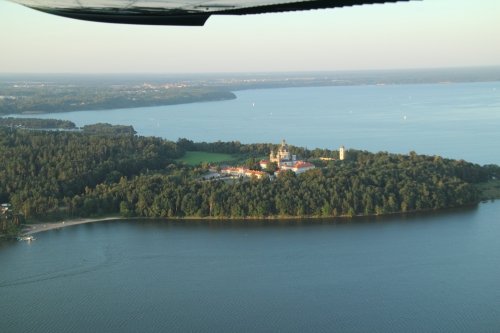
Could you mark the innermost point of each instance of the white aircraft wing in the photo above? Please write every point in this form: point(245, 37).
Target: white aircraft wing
point(177, 12)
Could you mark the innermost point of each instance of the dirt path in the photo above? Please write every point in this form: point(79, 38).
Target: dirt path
point(40, 227)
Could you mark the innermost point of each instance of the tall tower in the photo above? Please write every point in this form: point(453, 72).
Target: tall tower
point(275, 157)
point(283, 152)
point(341, 153)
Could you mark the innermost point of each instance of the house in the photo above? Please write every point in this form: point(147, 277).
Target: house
point(299, 167)
point(242, 172)
point(264, 164)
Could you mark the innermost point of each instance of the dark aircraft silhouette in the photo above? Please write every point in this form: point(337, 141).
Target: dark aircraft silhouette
point(177, 12)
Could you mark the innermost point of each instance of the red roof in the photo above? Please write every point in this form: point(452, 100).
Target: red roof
point(300, 165)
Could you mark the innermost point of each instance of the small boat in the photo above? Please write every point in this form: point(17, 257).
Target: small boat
point(26, 238)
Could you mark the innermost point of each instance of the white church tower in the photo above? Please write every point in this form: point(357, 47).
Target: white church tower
point(341, 153)
point(282, 156)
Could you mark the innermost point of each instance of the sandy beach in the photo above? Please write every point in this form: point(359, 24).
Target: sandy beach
point(40, 227)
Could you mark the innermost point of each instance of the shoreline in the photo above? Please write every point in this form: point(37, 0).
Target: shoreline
point(34, 228)
point(119, 107)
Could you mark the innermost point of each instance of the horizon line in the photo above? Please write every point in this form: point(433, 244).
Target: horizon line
point(478, 67)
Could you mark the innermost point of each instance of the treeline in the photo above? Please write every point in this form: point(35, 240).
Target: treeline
point(46, 174)
point(40, 170)
point(375, 184)
point(252, 149)
point(37, 123)
point(10, 223)
point(108, 129)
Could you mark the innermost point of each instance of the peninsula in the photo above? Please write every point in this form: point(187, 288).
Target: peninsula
point(107, 170)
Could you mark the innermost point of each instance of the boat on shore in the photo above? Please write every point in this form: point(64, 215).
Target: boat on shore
point(26, 238)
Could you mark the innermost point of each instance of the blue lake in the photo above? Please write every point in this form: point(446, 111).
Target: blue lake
point(436, 272)
point(458, 120)
point(426, 273)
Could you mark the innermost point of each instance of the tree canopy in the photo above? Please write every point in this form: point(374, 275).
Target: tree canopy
point(52, 174)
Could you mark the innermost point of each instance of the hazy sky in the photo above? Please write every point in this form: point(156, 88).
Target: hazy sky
point(420, 34)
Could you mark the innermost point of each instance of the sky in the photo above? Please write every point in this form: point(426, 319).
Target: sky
point(418, 34)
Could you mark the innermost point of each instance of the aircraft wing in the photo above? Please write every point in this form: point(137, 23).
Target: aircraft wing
point(177, 12)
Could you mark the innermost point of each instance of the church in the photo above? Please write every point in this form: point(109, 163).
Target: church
point(286, 161)
point(282, 156)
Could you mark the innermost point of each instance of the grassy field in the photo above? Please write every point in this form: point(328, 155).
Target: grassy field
point(197, 157)
point(490, 190)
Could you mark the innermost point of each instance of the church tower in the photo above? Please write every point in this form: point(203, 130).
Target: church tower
point(283, 152)
point(341, 153)
point(274, 157)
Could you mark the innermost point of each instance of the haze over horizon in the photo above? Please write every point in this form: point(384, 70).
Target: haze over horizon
point(269, 73)
point(407, 35)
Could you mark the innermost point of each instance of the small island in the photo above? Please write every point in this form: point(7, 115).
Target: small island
point(109, 171)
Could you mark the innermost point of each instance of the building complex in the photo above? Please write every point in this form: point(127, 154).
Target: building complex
point(280, 160)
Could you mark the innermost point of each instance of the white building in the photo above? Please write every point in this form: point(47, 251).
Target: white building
point(286, 161)
point(282, 156)
point(298, 167)
point(242, 172)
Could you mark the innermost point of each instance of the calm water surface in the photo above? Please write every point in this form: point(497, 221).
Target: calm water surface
point(424, 273)
point(453, 120)
point(427, 273)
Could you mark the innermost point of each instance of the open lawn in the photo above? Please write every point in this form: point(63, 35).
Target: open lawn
point(490, 190)
point(197, 157)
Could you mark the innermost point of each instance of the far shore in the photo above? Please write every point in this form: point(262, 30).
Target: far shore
point(34, 228)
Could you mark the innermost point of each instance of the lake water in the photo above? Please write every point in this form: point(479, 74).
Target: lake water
point(436, 272)
point(427, 273)
point(458, 120)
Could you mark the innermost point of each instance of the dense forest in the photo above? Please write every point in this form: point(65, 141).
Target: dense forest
point(61, 174)
point(36, 123)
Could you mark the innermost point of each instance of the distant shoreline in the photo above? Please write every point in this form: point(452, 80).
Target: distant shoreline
point(162, 90)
